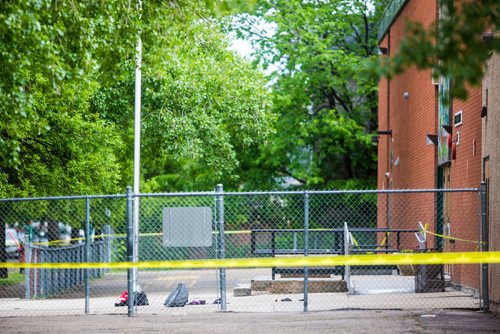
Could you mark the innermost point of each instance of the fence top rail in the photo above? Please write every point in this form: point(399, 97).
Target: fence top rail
point(303, 192)
point(181, 194)
point(340, 192)
point(248, 193)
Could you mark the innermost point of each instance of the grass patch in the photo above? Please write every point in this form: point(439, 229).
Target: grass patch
point(14, 278)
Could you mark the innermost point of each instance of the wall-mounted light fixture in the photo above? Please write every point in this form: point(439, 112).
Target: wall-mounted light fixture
point(384, 132)
point(484, 112)
point(406, 95)
point(375, 139)
point(431, 139)
point(447, 128)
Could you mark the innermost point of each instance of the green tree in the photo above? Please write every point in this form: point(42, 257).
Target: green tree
point(67, 91)
point(60, 41)
point(52, 54)
point(76, 156)
point(203, 106)
point(326, 104)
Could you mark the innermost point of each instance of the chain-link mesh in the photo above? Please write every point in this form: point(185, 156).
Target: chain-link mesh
point(55, 231)
point(244, 225)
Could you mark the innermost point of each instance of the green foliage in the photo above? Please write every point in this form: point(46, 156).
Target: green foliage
point(74, 152)
point(456, 47)
point(52, 56)
point(53, 45)
point(203, 106)
point(67, 97)
point(226, 7)
point(214, 104)
point(327, 105)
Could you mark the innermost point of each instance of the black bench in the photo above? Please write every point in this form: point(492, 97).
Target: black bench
point(276, 251)
point(335, 238)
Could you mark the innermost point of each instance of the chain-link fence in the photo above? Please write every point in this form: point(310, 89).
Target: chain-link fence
point(218, 225)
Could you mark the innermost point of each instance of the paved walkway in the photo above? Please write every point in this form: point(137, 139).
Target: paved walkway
point(398, 312)
point(347, 321)
point(375, 292)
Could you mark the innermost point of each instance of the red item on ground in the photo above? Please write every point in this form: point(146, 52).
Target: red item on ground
point(123, 296)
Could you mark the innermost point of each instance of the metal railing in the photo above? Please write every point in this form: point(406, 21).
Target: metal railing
point(391, 12)
point(45, 283)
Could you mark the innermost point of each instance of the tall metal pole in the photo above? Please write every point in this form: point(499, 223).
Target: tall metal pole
point(137, 154)
point(306, 250)
point(484, 248)
point(87, 254)
point(130, 254)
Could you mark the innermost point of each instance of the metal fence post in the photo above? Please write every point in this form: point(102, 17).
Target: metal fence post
point(87, 254)
point(222, 246)
point(107, 242)
point(347, 251)
point(27, 271)
point(132, 310)
point(35, 258)
point(484, 248)
point(306, 249)
point(43, 276)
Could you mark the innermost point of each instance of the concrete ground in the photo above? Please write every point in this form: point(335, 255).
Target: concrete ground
point(345, 321)
point(372, 292)
point(382, 305)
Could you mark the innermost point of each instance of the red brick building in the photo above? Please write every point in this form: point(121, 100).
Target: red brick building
point(490, 170)
point(424, 143)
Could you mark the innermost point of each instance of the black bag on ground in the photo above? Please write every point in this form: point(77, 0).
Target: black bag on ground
point(178, 297)
point(141, 299)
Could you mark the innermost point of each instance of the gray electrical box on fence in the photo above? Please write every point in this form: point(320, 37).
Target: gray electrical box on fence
point(187, 227)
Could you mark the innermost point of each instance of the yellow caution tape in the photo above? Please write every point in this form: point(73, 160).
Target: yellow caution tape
point(455, 238)
point(384, 240)
point(354, 241)
point(382, 243)
point(121, 235)
point(300, 261)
